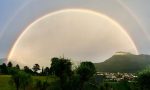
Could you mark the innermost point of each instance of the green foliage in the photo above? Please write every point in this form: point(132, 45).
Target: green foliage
point(46, 83)
point(61, 67)
point(12, 70)
point(86, 70)
point(144, 79)
point(6, 83)
point(28, 70)
point(90, 86)
point(61, 76)
point(3, 69)
point(9, 69)
point(21, 80)
point(41, 85)
point(73, 84)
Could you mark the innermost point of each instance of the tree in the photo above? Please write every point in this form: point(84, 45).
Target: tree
point(28, 70)
point(21, 80)
point(46, 71)
point(4, 69)
point(61, 67)
point(86, 70)
point(36, 67)
point(17, 67)
point(10, 64)
point(54, 69)
point(144, 79)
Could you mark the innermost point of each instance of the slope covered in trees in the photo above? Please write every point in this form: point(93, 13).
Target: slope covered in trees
point(124, 62)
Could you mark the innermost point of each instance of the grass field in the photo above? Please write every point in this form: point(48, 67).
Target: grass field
point(5, 81)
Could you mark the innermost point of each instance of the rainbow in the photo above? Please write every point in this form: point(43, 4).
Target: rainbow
point(11, 19)
point(135, 17)
point(70, 10)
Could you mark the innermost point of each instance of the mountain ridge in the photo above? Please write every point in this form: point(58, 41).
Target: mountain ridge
point(125, 62)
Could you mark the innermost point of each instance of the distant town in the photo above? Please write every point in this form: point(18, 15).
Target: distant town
point(116, 77)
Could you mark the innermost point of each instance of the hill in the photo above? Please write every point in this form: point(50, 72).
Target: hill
point(124, 62)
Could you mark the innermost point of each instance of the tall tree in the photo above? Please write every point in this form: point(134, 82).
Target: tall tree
point(9, 64)
point(61, 67)
point(46, 71)
point(85, 71)
point(36, 67)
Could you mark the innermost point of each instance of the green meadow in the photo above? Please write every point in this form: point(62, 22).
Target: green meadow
point(5, 81)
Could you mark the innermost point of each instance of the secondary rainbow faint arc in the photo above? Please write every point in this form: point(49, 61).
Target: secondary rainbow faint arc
point(135, 17)
point(11, 19)
point(70, 10)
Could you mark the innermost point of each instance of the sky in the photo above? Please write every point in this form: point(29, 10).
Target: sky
point(17, 15)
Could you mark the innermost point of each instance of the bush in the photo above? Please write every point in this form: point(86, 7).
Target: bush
point(21, 80)
point(144, 79)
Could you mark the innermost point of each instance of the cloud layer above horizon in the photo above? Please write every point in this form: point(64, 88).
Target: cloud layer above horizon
point(133, 15)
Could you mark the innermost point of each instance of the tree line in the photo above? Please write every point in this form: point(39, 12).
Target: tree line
point(64, 77)
point(61, 68)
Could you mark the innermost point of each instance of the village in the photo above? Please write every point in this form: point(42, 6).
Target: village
point(116, 77)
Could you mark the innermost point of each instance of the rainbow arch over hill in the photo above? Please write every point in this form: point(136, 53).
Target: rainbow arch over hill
point(96, 7)
point(71, 10)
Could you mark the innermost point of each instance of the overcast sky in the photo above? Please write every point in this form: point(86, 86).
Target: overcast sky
point(132, 15)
